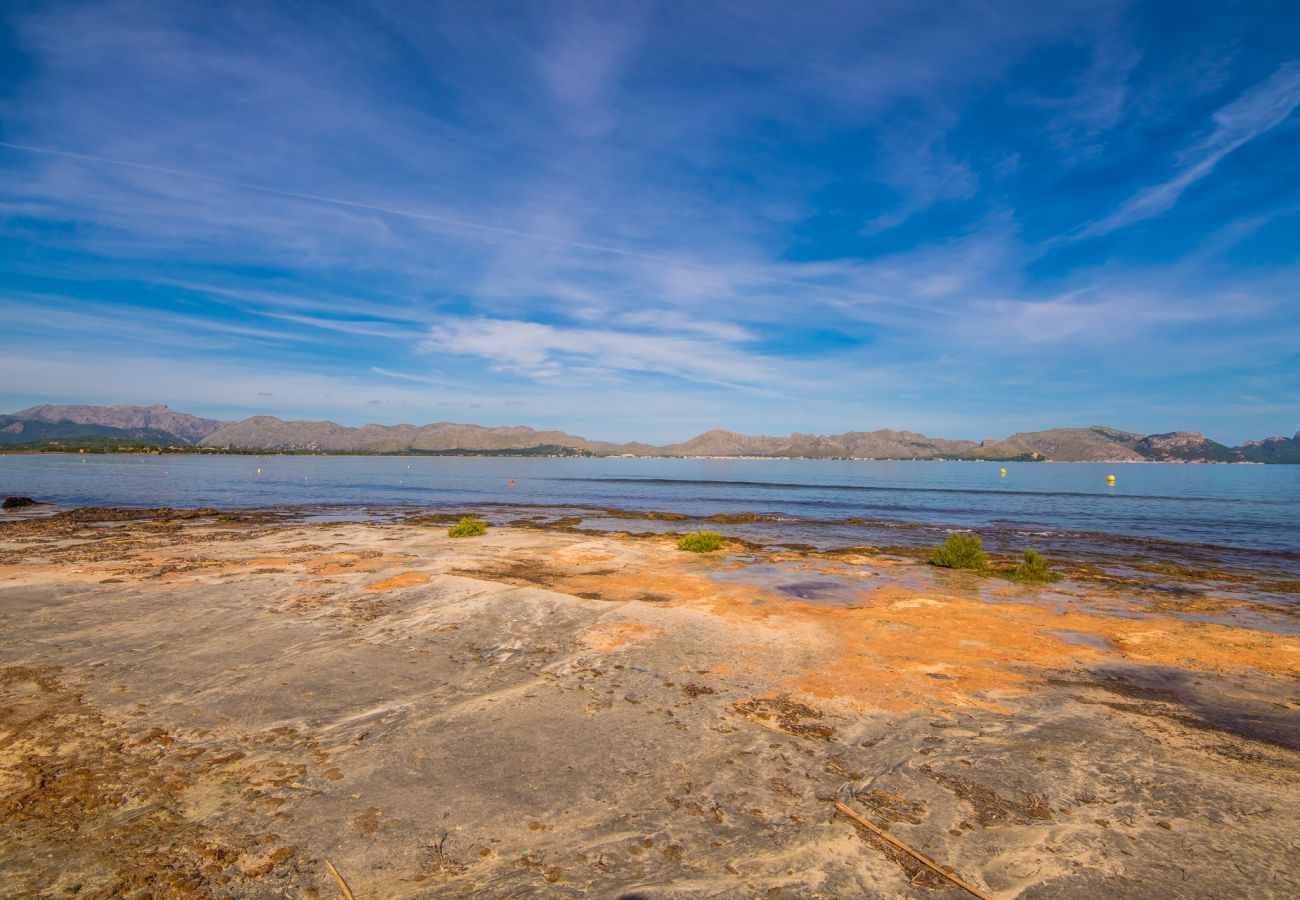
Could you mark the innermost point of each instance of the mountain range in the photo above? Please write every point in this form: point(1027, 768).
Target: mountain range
point(51, 427)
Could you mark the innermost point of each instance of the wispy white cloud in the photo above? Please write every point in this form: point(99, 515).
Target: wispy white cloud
point(584, 59)
point(429, 218)
point(678, 321)
point(98, 321)
point(921, 170)
point(1098, 99)
point(545, 351)
point(1082, 318)
point(407, 376)
point(360, 328)
point(1257, 111)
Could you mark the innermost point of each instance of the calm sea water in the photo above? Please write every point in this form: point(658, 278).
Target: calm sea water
point(1249, 507)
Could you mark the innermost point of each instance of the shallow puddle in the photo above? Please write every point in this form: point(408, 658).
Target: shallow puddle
point(826, 589)
point(1084, 639)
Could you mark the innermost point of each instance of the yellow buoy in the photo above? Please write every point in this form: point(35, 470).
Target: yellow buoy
point(1110, 479)
point(1004, 471)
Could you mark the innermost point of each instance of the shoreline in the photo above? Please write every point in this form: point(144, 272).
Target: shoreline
point(524, 454)
point(546, 708)
point(1252, 574)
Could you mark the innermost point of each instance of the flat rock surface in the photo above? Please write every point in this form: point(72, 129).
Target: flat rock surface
point(216, 705)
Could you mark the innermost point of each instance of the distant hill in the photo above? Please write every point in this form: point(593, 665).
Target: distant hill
point(15, 430)
point(190, 429)
point(1273, 450)
point(1187, 446)
point(1095, 444)
point(159, 425)
point(270, 433)
point(881, 444)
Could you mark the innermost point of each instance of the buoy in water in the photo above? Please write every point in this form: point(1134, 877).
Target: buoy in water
point(1110, 479)
point(1003, 472)
point(512, 482)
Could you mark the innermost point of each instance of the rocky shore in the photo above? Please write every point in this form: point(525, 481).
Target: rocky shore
point(220, 704)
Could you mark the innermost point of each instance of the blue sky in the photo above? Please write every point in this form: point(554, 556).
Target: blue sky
point(641, 220)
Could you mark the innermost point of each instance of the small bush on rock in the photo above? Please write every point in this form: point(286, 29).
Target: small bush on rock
point(960, 551)
point(468, 527)
point(701, 542)
point(1033, 567)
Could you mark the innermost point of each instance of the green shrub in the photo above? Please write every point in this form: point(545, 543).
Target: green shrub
point(468, 527)
point(701, 541)
point(1032, 567)
point(960, 551)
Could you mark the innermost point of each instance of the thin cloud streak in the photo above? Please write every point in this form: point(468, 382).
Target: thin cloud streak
point(1254, 113)
point(391, 211)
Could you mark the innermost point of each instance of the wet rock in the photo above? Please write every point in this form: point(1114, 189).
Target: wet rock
point(18, 502)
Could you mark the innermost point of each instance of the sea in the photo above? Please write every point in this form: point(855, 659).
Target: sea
point(1207, 515)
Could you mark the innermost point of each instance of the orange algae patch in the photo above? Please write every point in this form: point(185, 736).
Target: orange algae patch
point(969, 653)
point(900, 657)
point(606, 637)
point(270, 561)
point(912, 646)
point(406, 579)
point(1200, 646)
point(905, 650)
point(656, 574)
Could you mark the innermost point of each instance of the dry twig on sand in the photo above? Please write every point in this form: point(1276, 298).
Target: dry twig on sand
point(920, 857)
point(343, 885)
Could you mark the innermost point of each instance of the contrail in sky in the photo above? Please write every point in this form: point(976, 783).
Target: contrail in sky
point(406, 214)
point(352, 204)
